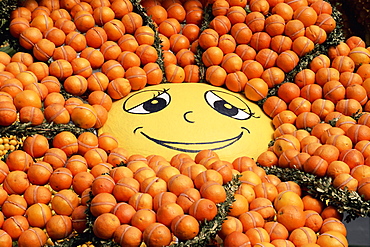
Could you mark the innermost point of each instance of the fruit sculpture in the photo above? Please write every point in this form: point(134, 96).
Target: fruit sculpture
point(67, 183)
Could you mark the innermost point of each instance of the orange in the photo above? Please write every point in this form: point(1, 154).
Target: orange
point(285, 129)
point(105, 225)
point(236, 239)
point(38, 214)
point(302, 45)
point(216, 75)
point(332, 238)
point(294, 29)
point(333, 224)
point(342, 49)
point(350, 106)
point(287, 60)
point(157, 234)
point(221, 24)
point(169, 27)
point(355, 41)
point(345, 180)
point(95, 37)
point(284, 10)
point(251, 219)
point(241, 33)
point(162, 199)
point(167, 212)
point(267, 58)
point(231, 62)
point(307, 120)
point(194, 15)
point(273, 76)
point(185, 227)
point(357, 92)
point(337, 167)
point(59, 227)
point(252, 69)
point(174, 73)
point(267, 159)
point(303, 235)
point(229, 225)
point(177, 11)
point(313, 220)
point(256, 89)
point(257, 235)
point(331, 211)
point(306, 14)
point(274, 25)
point(276, 230)
point(326, 22)
point(143, 218)
point(264, 207)
point(177, 184)
point(316, 34)
point(281, 43)
point(322, 107)
point(321, 61)
point(236, 81)
point(15, 225)
point(239, 206)
point(292, 217)
point(352, 157)
point(157, 13)
point(363, 188)
point(30, 236)
point(288, 91)
point(154, 186)
point(114, 29)
point(127, 235)
point(187, 198)
point(286, 142)
point(286, 157)
point(203, 209)
point(266, 190)
point(102, 203)
point(322, 7)
point(288, 198)
point(212, 56)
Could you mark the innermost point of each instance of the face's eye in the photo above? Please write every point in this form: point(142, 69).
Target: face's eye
point(225, 108)
point(154, 104)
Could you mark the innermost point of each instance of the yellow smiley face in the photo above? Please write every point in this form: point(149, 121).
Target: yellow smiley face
point(168, 119)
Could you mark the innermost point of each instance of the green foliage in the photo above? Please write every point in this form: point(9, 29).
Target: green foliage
point(10, 43)
point(49, 130)
point(148, 21)
point(321, 187)
point(207, 18)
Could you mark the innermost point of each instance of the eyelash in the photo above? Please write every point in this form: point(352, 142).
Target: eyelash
point(155, 95)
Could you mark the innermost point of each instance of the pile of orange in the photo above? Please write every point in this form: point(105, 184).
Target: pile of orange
point(150, 200)
point(99, 51)
point(154, 198)
point(321, 122)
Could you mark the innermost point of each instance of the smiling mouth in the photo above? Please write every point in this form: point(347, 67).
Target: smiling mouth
point(194, 147)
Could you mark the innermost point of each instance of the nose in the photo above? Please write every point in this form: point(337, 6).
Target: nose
point(186, 117)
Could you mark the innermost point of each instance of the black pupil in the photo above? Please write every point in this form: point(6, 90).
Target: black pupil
point(155, 104)
point(225, 108)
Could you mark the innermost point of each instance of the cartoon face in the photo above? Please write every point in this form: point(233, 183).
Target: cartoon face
point(168, 119)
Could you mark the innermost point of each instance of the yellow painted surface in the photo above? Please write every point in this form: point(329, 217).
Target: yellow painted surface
point(168, 119)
